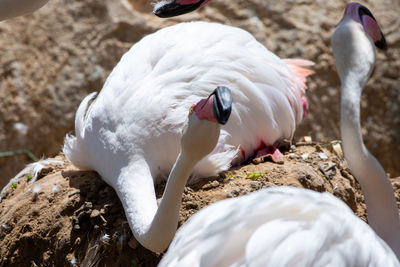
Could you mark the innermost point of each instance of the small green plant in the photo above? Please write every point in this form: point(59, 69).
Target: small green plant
point(14, 185)
point(229, 175)
point(254, 175)
point(29, 177)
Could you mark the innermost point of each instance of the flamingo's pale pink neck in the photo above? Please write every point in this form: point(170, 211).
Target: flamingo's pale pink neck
point(355, 57)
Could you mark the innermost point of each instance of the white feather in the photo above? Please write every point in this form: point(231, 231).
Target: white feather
point(55, 189)
point(143, 105)
point(278, 226)
point(105, 238)
point(73, 261)
point(36, 190)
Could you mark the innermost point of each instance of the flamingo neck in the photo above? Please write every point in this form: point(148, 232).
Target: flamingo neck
point(163, 227)
point(153, 226)
point(382, 211)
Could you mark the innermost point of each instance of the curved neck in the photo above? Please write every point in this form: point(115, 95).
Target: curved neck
point(13, 8)
point(382, 211)
point(153, 226)
point(163, 227)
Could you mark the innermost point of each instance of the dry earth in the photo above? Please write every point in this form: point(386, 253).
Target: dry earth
point(68, 225)
point(51, 59)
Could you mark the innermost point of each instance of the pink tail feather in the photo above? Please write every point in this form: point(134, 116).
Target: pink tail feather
point(297, 66)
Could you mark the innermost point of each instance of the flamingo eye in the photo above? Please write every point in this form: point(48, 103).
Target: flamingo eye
point(191, 110)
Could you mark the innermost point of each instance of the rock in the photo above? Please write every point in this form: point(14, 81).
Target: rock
point(255, 185)
point(328, 169)
point(94, 214)
point(214, 184)
point(210, 185)
point(191, 205)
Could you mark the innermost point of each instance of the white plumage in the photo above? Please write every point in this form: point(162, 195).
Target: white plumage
point(353, 45)
point(286, 226)
point(278, 226)
point(142, 106)
point(130, 133)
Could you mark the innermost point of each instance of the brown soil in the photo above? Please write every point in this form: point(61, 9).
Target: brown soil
point(52, 59)
point(57, 228)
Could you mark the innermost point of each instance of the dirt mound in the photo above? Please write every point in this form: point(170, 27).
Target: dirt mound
point(71, 217)
point(52, 59)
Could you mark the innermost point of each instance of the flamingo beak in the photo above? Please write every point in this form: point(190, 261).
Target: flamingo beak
point(222, 104)
point(372, 28)
point(172, 9)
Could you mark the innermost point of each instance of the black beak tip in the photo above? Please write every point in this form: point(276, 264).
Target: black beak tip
point(222, 104)
point(162, 11)
point(381, 44)
point(173, 9)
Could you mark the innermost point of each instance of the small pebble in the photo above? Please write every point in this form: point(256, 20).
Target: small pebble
point(322, 156)
point(191, 205)
point(94, 214)
point(215, 184)
point(229, 195)
point(206, 186)
point(255, 185)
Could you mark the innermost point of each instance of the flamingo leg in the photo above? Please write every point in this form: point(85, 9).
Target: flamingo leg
point(269, 151)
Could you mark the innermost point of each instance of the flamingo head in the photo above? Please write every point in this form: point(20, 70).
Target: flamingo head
point(354, 41)
point(216, 108)
point(167, 9)
point(362, 15)
point(200, 135)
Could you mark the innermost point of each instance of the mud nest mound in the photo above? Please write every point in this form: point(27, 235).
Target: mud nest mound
point(72, 218)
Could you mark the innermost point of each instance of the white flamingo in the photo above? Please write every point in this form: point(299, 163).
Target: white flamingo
point(286, 226)
point(278, 226)
point(14, 8)
point(354, 52)
point(130, 133)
